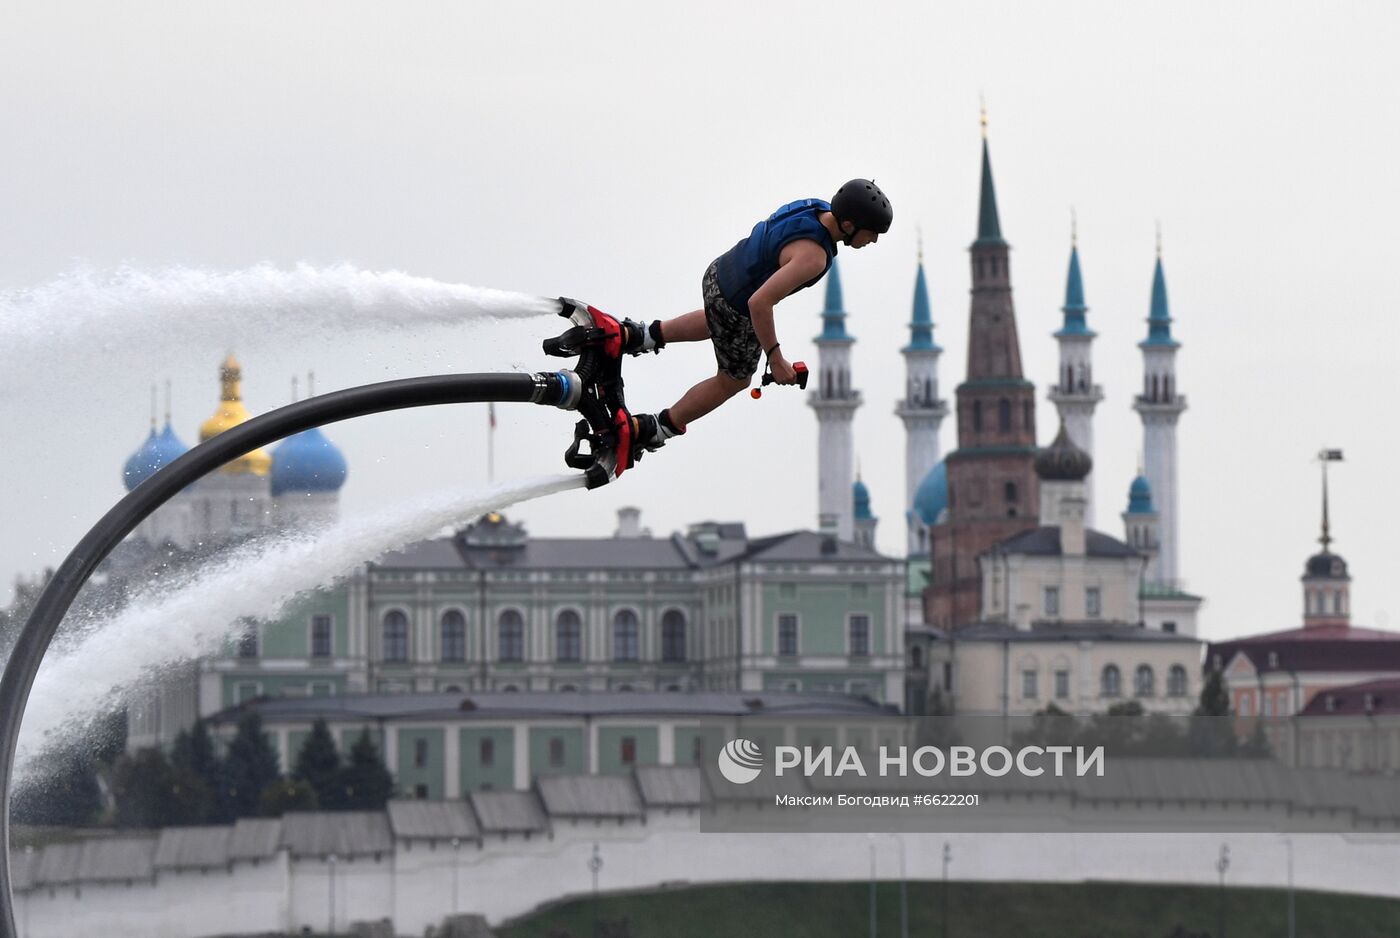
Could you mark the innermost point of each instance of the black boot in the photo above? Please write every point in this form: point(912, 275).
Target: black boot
point(639, 337)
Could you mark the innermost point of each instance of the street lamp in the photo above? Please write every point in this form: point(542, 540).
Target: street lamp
point(29, 899)
point(903, 889)
point(873, 927)
point(595, 863)
point(456, 856)
point(947, 858)
point(1292, 922)
point(332, 861)
point(1221, 865)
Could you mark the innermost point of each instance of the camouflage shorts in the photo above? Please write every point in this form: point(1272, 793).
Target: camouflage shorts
point(737, 349)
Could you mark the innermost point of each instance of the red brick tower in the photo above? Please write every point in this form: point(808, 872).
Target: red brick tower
point(992, 490)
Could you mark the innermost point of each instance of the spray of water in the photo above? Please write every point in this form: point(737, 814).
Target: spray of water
point(128, 312)
point(201, 613)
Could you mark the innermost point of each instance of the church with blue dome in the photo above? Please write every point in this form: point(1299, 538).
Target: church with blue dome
point(297, 484)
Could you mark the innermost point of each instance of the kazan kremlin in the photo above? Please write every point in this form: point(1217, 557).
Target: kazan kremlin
point(520, 685)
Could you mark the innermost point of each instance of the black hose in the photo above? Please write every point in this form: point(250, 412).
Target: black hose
point(122, 519)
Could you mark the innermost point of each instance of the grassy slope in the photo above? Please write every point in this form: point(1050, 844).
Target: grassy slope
point(976, 910)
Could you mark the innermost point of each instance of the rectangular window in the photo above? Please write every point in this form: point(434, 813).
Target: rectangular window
point(321, 636)
point(556, 753)
point(1169, 628)
point(860, 635)
point(420, 753)
point(322, 689)
point(488, 752)
point(248, 642)
point(420, 792)
point(1062, 685)
point(629, 750)
point(245, 692)
point(787, 634)
point(1093, 602)
point(1030, 689)
point(1052, 600)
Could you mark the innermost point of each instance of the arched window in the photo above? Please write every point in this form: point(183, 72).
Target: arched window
point(1144, 681)
point(625, 633)
point(568, 636)
point(673, 636)
point(510, 629)
point(976, 416)
point(454, 636)
point(1176, 681)
point(916, 658)
point(1011, 492)
point(1004, 415)
point(1111, 682)
point(1028, 414)
point(928, 391)
point(395, 636)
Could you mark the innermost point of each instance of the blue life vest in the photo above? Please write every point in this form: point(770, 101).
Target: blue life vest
point(747, 265)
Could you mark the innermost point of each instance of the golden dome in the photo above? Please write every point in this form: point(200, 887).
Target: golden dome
point(231, 413)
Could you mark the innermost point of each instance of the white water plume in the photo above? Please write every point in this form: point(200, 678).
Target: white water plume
point(131, 313)
point(200, 613)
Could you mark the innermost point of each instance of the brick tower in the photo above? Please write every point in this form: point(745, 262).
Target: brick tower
point(992, 491)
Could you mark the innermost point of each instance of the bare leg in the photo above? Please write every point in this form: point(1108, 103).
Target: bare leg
point(705, 396)
point(690, 327)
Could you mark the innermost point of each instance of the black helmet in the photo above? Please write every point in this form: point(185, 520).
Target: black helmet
point(862, 203)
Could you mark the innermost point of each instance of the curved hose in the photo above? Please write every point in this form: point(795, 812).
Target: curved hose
point(122, 519)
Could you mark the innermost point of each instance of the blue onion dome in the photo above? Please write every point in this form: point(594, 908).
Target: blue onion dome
point(307, 462)
point(1140, 497)
point(1062, 461)
point(159, 451)
point(861, 495)
point(931, 497)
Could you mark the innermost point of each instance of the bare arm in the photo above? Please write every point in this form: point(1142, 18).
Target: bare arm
point(798, 263)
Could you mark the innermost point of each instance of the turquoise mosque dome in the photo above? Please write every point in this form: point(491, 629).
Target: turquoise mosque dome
point(159, 451)
point(931, 497)
point(1140, 497)
point(307, 462)
point(861, 494)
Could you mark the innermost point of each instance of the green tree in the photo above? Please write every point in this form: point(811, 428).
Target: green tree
point(193, 752)
point(65, 793)
point(365, 782)
point(286, 794)
point(318, 763)
point(1211, 732)
point(250, 766)
point(151, 792)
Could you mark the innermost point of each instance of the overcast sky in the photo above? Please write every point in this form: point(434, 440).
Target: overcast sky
point(610, 151)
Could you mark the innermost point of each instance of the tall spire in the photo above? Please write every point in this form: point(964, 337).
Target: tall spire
point(1074, 308)
point(1159, 321)
point(921, 323)
point(834, 310)
point(1324, 457)
point(988, 220)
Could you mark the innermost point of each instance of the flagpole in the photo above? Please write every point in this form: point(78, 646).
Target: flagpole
point(491, 443)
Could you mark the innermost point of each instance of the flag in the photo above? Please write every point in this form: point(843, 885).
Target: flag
point(491, 411)
point(1330, 455)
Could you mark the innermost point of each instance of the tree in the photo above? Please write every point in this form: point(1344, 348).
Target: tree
point(366, 783)
point(318, 763)
point(286, 794)
point(66, 792)
point(1211, 732)
point(193, 752)
point(251, 766)
point(151, 792)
